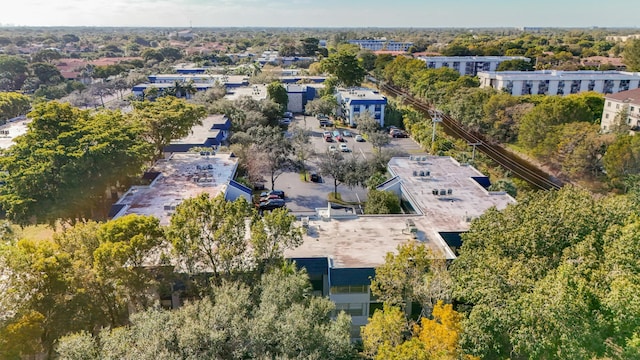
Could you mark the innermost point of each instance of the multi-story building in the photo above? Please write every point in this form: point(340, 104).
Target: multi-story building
point(382, 44)
point(341, 250)
point(620, 109)
point(468, 65)
point(355, 101)
point(556, 82)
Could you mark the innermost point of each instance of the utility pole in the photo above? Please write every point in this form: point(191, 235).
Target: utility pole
point(473, 156)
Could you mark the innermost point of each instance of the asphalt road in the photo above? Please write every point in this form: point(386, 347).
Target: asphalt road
point(304, 197)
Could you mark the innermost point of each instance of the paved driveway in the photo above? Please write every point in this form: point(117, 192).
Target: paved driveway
point(304, 197)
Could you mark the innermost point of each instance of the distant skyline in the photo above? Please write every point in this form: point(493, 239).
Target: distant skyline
point(319, 13)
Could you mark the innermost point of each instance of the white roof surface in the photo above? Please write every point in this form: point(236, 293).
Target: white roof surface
point(182, 176)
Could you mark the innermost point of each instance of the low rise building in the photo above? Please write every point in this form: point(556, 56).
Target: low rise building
point(468, 65)
point(210, 134)
point(622, 108)
point(181, 176)
point(341, 250)
point(355, 101)
point(556, 82)
point(382, 44)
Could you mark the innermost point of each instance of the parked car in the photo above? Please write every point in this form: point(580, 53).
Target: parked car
point(285, 121)
point(271, 204)
point(279, 193)
point(269, 197)
point(326, 123)
point(359, 138)
point(340, 138)
point(336, 133)
point(344, 148)
point(393, 128)
point(333, 149)
point(346, 133)
point(314, 177)
point(399, 134)
point(288, 114)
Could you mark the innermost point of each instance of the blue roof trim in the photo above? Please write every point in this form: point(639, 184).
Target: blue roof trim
point(482, 180)
point(240, 187)
point(352, 276)
point(314, 266)
point(388, 182)
point(367, 102)
point(452, 238)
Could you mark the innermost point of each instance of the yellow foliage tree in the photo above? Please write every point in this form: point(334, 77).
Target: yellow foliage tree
point(440, 335)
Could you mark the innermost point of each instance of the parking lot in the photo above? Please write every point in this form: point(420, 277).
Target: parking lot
point(304, 197)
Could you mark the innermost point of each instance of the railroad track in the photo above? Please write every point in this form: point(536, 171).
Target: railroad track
point(518, 166)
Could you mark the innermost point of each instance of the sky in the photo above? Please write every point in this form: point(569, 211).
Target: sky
point(319, 13)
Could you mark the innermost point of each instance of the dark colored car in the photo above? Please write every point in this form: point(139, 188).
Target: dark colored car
point(396, 133)
point(271, 204)
point(314, 177)
point(278, 193)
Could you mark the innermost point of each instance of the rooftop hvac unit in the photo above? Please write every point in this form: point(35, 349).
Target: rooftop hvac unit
point(443, 192)
point(415, 173)
point(427, 173)
point(411, 157)
point(449, 191)
point(434, 191)
point(421, 173)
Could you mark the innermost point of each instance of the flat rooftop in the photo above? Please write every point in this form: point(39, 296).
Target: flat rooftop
point(562, 75)
point(467, 198)
point(363, 241)
point(200, 133)
point(472, 58)
point(360, 94)
point(11, 130)
point(257, 92)
point(182, 176)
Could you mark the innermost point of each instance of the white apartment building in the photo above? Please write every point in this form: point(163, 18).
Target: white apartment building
point(355, 101)
point(468, 65)
point(556, 82)
point(624, 106)
point(382, 44)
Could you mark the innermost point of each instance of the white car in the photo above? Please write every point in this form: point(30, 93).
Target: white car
point(344, 148)
point(359, 138)
point(333, 149)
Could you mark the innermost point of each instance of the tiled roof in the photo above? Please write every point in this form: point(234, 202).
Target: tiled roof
point(631, 96)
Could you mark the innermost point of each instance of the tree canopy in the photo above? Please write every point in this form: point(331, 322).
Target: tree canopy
point(168, 118)
point(345, 66)
point(67, 160)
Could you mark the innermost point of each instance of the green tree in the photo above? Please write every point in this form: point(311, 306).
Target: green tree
point(13, 104)
point(13, 72)
point(167, 119)
point(631, 54)
point(47, 169)
point(412, 275)
point(515, 65)
point(345, 67)
point(622, 159)
point(325, 105)
point(529, 273)
point(277, 93)
point(382, 202)
point(283, 321)
point(271, 153)
point(208, 235)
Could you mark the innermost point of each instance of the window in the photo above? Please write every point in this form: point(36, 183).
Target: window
point(353, 309)
point(606, 116)
point(350, 289)
point(631, 108)
point(608, 103)
point(617, 106)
